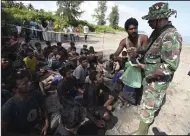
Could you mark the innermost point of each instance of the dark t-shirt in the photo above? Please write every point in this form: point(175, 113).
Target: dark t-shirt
point(62, 131)
point(66, 88)
point(8, 77)
point(23, 115)
point(95, 96)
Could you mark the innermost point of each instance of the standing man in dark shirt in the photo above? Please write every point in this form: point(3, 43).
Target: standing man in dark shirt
point(25, 112)
point(67, 87)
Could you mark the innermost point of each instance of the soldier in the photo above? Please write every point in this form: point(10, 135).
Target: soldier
point(161, 60)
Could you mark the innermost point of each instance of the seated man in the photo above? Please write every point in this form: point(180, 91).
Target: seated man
point(84, 50)
point(72, 116)
point(38, 53)
point(111, 67)
point(25, 112)
point(72, 44)
point(81, 71)
point(7, 74)
point(97, 98)
point(23, 48)
point(30, 60)
point(47, 50)
point(54, 58)
point(73, 57)
point(67, 87)
point(60, 47)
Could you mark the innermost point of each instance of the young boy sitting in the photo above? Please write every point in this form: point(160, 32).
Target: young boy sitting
point(73, 57)
point(84, 50)
point(72, 44)
point(81, 71)
point(30, 60)
point(54, 58)
point(47, 50)
point(111, 67)
point(38, 53)
point(67, 87)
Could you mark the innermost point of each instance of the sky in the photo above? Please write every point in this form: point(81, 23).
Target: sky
point(127, 9)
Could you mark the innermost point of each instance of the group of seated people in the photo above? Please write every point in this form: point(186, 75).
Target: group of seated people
point(30, 73)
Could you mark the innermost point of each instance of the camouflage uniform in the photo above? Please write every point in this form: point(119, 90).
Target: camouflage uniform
point(161, 61)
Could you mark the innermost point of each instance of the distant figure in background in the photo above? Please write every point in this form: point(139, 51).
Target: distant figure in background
point(19, 28)
point(71, 33)
point(65, 33)
point(86, 30)
point(77, 30)
point(44, 26)
point(26, 24)
point(39, 33)
point(33, 24)
point(50, 28)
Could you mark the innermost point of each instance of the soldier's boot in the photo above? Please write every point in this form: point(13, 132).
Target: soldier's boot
point(142, 130)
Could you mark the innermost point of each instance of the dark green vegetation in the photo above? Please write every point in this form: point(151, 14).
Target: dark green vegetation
point(67, 13)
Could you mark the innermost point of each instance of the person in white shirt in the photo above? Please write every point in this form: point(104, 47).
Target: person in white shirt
point(19, 28)
point(65, 33)
point(86, 29)
point(71, 33)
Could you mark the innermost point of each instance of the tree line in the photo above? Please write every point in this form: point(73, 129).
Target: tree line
point(68, 13)
point(100, 17)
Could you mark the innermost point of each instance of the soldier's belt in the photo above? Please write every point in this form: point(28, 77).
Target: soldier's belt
point(166, 78)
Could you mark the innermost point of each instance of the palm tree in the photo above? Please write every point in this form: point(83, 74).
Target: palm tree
point(30, 7)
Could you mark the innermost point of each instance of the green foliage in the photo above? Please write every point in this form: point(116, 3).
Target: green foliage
point(12, 14)
point(70, 10)
point(114, 17)
point(100, 13)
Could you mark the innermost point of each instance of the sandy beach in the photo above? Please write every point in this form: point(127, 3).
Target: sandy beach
point(173, 118)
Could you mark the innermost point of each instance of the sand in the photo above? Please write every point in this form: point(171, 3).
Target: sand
point(173, 118)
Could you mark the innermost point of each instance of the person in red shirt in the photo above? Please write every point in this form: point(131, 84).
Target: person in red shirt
point(77, 30)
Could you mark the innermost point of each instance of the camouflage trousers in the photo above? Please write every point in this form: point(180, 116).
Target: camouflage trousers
point(152, 99)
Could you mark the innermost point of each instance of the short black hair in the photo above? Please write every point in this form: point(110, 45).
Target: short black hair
point(85, 45)
point(72, 114)
point(112, 56)
point(64, 70)
point(130, 21)
point(73, 48)
point(29, 50)
point(59, 43)
point(124, 53)
point(22, 74)
point(48, 42)
point(92, 75)
point(54, 47)
point(82, 58)
point(37, 44)
point(72, 43)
